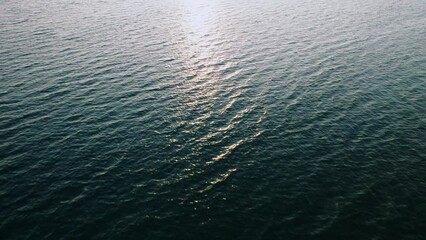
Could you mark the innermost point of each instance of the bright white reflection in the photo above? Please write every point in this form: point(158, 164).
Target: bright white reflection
point(201, 56)
point(199, 17)
point(199, 25)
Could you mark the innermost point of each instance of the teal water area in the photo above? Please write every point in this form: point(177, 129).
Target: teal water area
point(213, 119)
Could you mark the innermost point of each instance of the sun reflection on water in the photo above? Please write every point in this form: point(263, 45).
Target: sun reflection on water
point(199, 18)
point(198, 50)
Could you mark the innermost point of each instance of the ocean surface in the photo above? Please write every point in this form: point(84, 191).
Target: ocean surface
point(213, 119)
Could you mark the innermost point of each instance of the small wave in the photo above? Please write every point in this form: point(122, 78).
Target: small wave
point(227, 150)
point(218, 180)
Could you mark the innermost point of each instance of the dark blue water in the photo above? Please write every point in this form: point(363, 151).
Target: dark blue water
point(213, 119)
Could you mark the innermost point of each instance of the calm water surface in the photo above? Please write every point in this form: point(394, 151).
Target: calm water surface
point(213, 119)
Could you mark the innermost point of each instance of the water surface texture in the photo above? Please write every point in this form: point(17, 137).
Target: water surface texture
point(213, 119)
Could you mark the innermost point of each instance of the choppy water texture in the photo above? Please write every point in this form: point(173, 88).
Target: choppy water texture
point(179, 119)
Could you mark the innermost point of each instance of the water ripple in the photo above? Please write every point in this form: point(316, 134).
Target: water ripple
point(217, 119)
